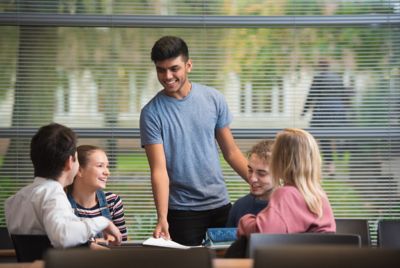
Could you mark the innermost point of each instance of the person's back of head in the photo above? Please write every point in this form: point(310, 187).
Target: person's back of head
point(168, 47)
point(323, 65)
point(296, 160)
point(51, 147)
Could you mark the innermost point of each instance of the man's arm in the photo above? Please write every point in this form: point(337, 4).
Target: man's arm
point(231, 152)
point(160, 185)
point(61, 225)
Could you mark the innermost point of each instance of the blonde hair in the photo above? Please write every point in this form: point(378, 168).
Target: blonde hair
point(296, 161)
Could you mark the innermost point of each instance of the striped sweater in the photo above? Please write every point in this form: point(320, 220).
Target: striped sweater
point(116, 210)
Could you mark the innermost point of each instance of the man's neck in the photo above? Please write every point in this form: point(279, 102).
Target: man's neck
point(63, 180)
point(183, 92)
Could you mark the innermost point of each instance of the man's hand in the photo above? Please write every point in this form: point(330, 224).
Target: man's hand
point(162, 230)
point(96, 246)
point(112, 234)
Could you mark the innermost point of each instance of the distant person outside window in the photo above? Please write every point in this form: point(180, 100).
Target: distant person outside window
point(328, 101)
point(261, 185)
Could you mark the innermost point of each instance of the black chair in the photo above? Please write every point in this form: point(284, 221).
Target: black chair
point(144, 257)
point(354, 226)
point(238, 249)
point(6, 246)
point(5, 239)
point(328, 239)
point(389, 233)
point(327, 257)
point(29, 248)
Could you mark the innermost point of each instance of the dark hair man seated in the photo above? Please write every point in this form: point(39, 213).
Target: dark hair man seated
point(42, 207)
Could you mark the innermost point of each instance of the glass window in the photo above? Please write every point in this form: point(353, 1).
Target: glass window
point(331, 67)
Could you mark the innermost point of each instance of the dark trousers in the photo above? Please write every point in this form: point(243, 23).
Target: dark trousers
point(189, 227)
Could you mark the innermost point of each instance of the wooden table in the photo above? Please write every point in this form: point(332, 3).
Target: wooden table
point(7, 253)
point(35, 264)
point(232, 263)
point(217, 263)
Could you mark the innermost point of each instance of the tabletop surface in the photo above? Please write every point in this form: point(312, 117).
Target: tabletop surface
point(217, 263)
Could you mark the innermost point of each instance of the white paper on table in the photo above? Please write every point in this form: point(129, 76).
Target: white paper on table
point(162, 242)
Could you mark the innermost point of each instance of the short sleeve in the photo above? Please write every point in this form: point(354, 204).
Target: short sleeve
point(150, 128)
point(224, 115)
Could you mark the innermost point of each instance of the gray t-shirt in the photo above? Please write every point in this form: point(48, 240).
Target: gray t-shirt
point(186, 128)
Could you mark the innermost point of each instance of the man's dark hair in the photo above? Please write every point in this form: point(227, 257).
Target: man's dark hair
point(168, 47)
point(51, 147)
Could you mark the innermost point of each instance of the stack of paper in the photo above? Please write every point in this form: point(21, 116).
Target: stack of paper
point(162, 242)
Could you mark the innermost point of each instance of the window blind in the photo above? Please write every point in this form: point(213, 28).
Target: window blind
point(87, 65)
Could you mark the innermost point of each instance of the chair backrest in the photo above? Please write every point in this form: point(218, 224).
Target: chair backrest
point(327, 257)
point(5, 239)
point(389, 233)
point(6, 246)
point(144, 257)
point(30, 247)
point(354, 226)
point(263, 240)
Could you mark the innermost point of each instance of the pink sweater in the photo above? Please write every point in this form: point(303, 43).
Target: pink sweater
point(287, 212)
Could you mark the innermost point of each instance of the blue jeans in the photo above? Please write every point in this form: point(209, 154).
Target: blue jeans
point(189, 227)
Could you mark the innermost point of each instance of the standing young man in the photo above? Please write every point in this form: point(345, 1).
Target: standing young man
point(261, 185)
point(179, 130)
point(42, 207)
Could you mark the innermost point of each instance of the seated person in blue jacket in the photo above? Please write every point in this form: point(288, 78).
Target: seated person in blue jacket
point(261, 185)
point(42, 207)
point(86, 194)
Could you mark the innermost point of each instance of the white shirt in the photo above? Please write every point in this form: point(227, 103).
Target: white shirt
point(43, 208)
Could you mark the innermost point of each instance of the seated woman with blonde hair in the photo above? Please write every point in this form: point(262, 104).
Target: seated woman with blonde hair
point(86, 194)
point(300, 204)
